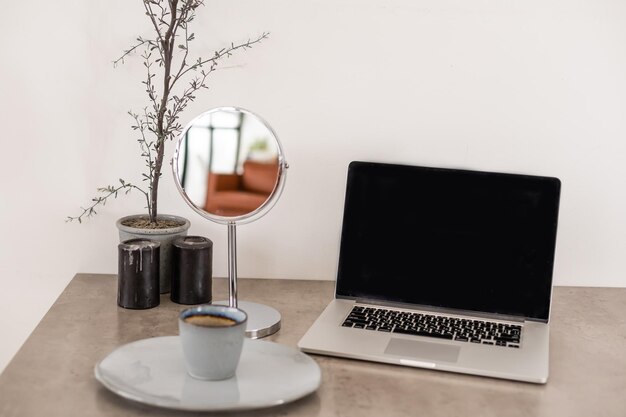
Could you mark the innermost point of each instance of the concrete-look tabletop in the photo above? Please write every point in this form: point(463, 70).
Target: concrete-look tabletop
point(53, 373)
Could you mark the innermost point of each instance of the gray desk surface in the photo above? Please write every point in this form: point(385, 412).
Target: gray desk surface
point(52, 374)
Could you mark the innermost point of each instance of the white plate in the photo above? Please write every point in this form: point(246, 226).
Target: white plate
point(152, 371)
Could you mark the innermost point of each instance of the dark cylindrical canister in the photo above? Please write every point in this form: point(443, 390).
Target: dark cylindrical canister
point(138, 274)
point(192, 270)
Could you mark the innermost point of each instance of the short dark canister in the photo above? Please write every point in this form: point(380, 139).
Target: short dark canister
point(138, 274)
point(192, 270)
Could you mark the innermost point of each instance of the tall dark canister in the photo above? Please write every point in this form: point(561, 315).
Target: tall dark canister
point(138, 274)
point(192, 270)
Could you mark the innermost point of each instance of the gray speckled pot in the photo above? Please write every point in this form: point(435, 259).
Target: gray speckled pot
point(163, 236)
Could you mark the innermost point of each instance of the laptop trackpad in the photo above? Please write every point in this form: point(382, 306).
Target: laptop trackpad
point(423, 350)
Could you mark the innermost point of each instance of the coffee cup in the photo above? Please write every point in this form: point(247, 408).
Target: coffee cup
point(212, 339)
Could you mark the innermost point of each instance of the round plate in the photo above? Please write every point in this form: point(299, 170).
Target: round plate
point(152, 371)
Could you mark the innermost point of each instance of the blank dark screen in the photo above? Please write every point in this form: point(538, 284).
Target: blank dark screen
point(460, 239)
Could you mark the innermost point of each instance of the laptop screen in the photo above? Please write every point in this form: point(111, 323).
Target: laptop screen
point(448, 238)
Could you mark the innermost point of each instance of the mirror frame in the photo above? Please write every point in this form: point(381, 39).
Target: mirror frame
point(267, 204)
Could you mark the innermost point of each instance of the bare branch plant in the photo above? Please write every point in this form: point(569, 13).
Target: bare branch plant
point(167, 62)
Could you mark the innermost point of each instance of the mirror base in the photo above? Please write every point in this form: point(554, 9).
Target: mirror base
point(262, 320)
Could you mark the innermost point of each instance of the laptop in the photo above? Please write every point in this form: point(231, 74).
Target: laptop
point(445, 269)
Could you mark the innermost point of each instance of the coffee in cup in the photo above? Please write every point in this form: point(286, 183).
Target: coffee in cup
point(208, 320)
point(212, 340)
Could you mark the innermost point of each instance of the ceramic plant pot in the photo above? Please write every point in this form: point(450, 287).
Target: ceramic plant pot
point(164, 236)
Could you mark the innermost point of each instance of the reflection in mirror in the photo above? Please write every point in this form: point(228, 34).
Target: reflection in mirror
point(228, 162)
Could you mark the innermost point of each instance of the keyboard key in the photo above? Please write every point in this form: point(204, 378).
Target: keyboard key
point(505, 338)
point(422, 333)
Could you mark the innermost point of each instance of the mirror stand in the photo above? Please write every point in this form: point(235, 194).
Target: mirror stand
point(232, 264)
point(262, 320)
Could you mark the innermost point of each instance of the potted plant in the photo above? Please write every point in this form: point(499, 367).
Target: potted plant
point(172, 80)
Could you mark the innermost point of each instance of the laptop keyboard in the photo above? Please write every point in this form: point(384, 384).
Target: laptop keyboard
point(440, 327)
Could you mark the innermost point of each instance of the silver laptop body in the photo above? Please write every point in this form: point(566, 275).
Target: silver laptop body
point(454, 274)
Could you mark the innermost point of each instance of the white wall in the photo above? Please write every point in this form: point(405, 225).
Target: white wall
point(521, 86)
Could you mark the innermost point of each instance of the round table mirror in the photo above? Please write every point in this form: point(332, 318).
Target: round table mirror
point(229, 166)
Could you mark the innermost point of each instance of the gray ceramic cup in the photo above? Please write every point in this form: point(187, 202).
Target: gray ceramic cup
point(212, 339)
